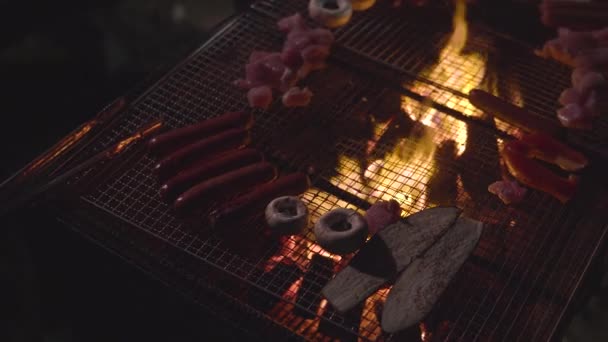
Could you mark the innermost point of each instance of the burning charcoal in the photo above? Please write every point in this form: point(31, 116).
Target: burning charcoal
point(277, 281)
point(442, 185)
point(345, 327)
point(309, 294)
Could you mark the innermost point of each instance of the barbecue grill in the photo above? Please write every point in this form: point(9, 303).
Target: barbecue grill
point(390, 119)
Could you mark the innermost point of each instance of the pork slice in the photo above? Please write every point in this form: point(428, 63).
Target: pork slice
point(296, 97)
point(569, 96)
point(292, 23)
point(260, 97)
point(509, 191)
point(419, 287)
point(386, 254)
point(574, 116)
point(381, 214)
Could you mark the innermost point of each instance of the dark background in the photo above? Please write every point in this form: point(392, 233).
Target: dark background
point(60, 62)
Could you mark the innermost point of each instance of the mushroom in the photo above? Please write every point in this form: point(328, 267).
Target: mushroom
point(330, 13)
point(287, 215)
point(341, 231)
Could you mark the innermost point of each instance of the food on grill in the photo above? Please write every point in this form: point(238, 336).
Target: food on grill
point(573, 115)
point(511, 113)
point(174, 162)
point(296, 97)
point(509, 191)
point(381, 214)
point(362, 5)
point(545, 148)
point(330, 13)
point(518, 155)
point(206, 169)
point(386, 254)
point(260, 97)
point(180, 137)
point(580, 15)
point(305, 50)
point(226, 185)
point(341, 231)
point(421, 284)
point(287, 215)
point(252, 202)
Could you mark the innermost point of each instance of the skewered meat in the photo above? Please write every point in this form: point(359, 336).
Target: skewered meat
point(305, 50)
point(341, 231)
point(286, 215)
point(508, 191)
point(381, 214)
point(574, 116)
point(386, 254)
point(260, 97)
point(180, 137)
point(422, 283)
point(296, 97)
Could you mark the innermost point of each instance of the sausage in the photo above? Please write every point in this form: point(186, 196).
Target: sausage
point(511, 113)
point(552, 151)
point(255, 201)
point(203, 149)
point(531, 173)
point(223, 186)
point(180, 137)
point(206, 169)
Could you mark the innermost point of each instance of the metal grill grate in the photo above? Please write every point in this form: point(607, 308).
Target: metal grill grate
point(517, 284)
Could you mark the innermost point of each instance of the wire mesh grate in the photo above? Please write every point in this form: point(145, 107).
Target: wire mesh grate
point(364, 143)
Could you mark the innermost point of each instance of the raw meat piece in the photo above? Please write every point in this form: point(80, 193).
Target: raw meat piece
point(593, 58)
point(573, 116)
point(292, 58)
point(381, 214)
point(294, 22)
point(260, 97)
point(266, 71)
point(589, 81)
point(569, 96)
point(508, 191)
point(315, 55)
point(258, 55)
point(296, 97)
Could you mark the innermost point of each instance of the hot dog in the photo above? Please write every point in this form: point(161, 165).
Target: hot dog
point(511, 113)
point(180, 137)
point(223, 186)
point(245, 205)
point(206, 169)
point(203, 149)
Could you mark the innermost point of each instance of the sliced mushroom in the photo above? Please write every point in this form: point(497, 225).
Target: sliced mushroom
point(287, 215)
point(341, 231)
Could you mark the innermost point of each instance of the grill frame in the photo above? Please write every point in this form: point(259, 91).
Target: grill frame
point(322, 181)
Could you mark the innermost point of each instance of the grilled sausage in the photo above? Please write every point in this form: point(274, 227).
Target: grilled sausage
point(511, 113)
point(223, 186)
point(206, 169)
point(180, 137)
point(254, 201)
point(203, 149)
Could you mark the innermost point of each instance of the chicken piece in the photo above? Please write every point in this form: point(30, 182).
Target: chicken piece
point(577, 42)
point(296, 97)
point(292, 58)
point(292, 23)
point(587, 81)
point(315, 55)
point(597, 58)
point(509, 191)
point(266, 71)
point(574, 116)
point(257, 55)
point(381, 214)
point(569, 96)
point(260, 97)
point(555, 49)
